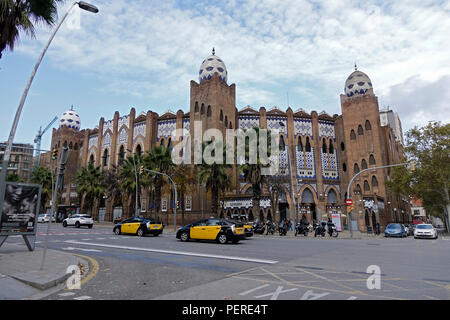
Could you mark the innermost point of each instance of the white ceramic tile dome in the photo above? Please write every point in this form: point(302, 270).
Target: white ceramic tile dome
point(213, 64)
point(70, 119)
point(357, 84)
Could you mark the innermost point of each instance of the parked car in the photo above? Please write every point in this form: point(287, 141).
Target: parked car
point(45, 217)
point(425, 231)
point(79, 220)
point(139, 227)
point(220, 230)
point(395, 230)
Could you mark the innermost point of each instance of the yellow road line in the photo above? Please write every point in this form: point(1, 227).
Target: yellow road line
point(95, 268)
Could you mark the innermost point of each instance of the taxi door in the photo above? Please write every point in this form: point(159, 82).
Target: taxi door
point(199, 231)
point(130, 226)
point(213, 228)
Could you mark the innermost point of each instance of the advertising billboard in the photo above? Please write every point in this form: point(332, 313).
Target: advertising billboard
point(20, 209)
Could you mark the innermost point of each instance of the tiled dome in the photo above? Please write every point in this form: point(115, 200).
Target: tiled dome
point(213, 64)
point(358, 83)
point(70, 119)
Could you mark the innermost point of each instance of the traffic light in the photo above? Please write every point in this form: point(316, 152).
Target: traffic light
point(55, 154)
point(178, 204)
point(412, 166)
point(141, 170)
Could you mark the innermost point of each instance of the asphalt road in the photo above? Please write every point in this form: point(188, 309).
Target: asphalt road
point(260, 268)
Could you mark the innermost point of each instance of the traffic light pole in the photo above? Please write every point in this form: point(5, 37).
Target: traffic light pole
point(412, 164)
point(176, 199)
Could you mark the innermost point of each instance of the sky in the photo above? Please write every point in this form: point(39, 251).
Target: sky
point(144, 53)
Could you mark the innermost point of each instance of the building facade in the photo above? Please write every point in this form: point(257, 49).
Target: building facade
point(319, 153)
point(21, 160)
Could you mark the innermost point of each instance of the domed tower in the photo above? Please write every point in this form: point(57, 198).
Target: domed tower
point(213, 101)
point(364, 146)
point(70, 119)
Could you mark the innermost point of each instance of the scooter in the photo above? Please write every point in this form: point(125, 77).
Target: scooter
point(271, 227)
point(282, 228)
point(319, 229)
point(332, 231)
point(301, 228)
point(259, 228)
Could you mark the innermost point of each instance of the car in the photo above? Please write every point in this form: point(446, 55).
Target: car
point(425, 231)
point(79, 220)
point(395, 230)
point(45, 217)
point(213, 229)
point(138, 226)
point(248, 227)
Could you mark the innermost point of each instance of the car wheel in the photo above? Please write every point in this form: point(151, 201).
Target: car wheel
point(140, 232)
point(117, 231)
point(184, 236)
point(65, 224)
point(77, 224)
point(222, 238)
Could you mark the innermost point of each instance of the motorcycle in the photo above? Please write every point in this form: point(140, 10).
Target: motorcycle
point(319, 229)
point(282, 228)
point(301, 228)
point(259, 228)
point(271, 227)
point(332, 231)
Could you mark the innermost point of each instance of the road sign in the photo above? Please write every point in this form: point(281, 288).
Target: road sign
point(349, 202)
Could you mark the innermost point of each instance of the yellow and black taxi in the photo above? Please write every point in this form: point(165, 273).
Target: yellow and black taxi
point(220, 230)
point(248, 227)
point(138, 226)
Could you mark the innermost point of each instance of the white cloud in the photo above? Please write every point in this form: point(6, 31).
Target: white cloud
point(154, 49)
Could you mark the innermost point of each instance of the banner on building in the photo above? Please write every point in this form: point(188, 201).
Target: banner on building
point(20, 209)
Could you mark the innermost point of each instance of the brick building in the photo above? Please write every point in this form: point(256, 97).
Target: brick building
point(320, 152)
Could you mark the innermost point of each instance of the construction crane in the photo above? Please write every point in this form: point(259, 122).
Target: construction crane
point(38, 139)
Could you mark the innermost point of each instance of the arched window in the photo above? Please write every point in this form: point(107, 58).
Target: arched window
point(139, 150)
point(226, 121)
point(357, 189)
point(169, 144)
point(75, 147)
point(324, 146)
point(360, 130)
point(368, 125)
point(331, 147)
point(366, 186)
point(196, 107)
point(65, 144)
point(209, 112)
point(202, 109)
point(374, 182)
point(307, 196)
point(342, 146)
point(70, 145)
point(91, 159)
point(282, 144)
point(162, 143)
point(363, 164)
point(105, 158)
point(372, 160)
point(121, 154)
point(231, 125)
point(352, 135)
point(308, 145)
point(356, 168)
point(344, 167)
point(300, 145)
point(221, 115)
point(332, 197)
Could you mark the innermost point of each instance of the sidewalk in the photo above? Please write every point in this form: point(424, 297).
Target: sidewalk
point(20, 274)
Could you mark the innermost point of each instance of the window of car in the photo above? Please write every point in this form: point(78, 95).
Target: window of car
point(425, 226)
point(394, 226)
point(201, 223)
point(214, 222)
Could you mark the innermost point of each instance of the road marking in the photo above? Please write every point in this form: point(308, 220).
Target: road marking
point(83, 298)
point(253, 290)
point(67, 294)
point(182, 253)
point(274, 295)
point(95, 267)
point(80, 249)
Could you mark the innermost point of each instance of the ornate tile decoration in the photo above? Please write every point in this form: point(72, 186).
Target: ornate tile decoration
point(326, 129)
point(186, 127)
point(303, 128)
point(106, 140)
point(329, 166)
point(123, 137)
point(124, 121)
point(264, 203)
point(93, 141)
point(139, 129)
point(248, 122)
point(108, 125)
point(305, 164)
point(166, 128)
point(273, 123)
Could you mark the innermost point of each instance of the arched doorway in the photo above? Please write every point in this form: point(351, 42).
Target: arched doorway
point(283, 206)
point(261, 215)
point(269, 215)
point(251, 217)
point(374, 221)
point(308, 201)
point(367, 219)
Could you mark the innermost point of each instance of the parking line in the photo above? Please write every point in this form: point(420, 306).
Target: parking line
point(182, 253)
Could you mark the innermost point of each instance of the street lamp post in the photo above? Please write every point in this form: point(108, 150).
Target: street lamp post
point(176, 199)
point(357, 175)
point(7, 155)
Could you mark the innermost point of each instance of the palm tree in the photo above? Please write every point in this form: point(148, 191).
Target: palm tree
point(158, 159)
point(127, 177)
point(91, 184)
point(43, 177)
point(253, 172)
point(19, 15)
point(113, 189)
point(215, 177)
